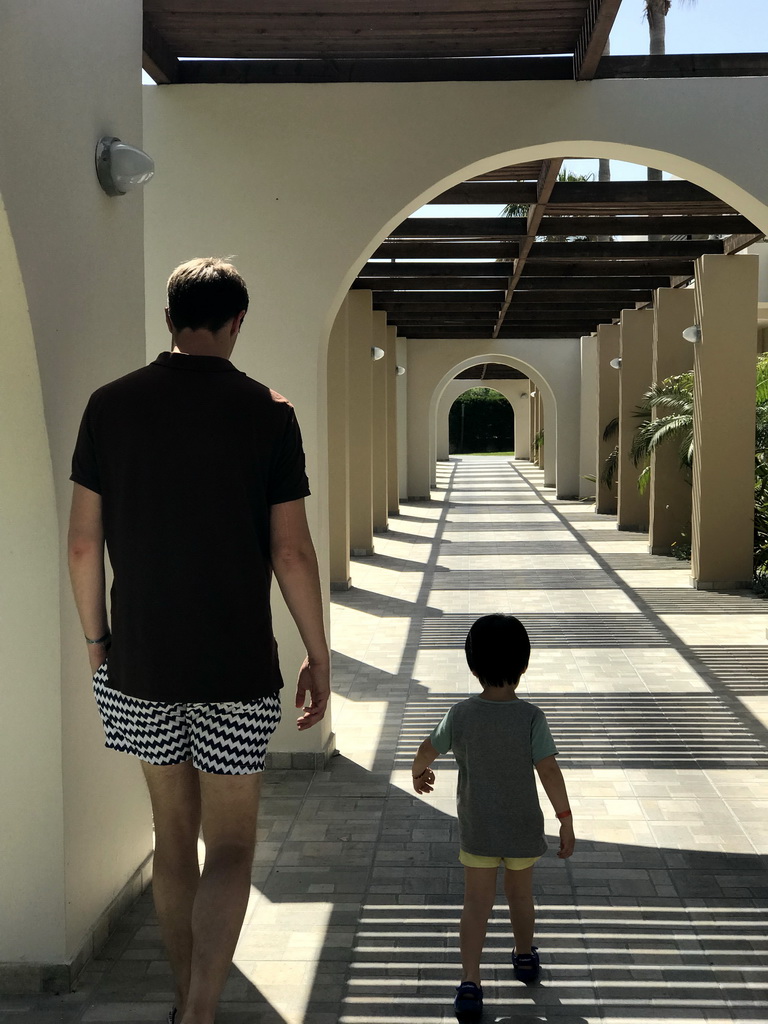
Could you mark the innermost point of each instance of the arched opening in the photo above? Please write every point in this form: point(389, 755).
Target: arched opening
point(481, 421)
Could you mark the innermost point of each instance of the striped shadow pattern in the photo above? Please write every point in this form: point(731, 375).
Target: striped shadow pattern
point(590, 629)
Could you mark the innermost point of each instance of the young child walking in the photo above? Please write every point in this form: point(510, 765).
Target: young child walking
point(498, 740)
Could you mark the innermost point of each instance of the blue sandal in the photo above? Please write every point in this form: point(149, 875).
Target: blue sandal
point(469, 999)
point(526, 965)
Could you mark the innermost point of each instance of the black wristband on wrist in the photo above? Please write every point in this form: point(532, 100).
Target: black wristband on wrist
point(102, 639)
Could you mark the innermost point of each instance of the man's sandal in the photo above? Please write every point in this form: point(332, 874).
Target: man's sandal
point(469, 999)
point(171, 1016)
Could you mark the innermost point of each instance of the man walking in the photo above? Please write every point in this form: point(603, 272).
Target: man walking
point(193, 475)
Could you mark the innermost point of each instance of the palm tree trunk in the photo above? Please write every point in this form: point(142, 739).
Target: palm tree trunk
point(656, 13)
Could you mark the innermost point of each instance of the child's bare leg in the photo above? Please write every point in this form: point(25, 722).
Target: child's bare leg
point(518, 887)
point(479, 894)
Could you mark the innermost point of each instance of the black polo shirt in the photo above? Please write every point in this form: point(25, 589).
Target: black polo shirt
point(188, 454)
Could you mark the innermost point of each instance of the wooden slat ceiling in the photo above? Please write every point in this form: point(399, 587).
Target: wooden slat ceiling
point(557, 270)
point(334, 29)
point(368, 30)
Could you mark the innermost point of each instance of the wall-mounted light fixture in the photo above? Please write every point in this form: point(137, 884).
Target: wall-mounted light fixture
point(616, 363)
point(534, 393)
point(377, 353)
point(121, 167)
point(400, 370)
point(692, 333)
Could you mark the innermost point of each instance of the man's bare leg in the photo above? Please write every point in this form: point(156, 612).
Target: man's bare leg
point(230, 806)
point(175, 794)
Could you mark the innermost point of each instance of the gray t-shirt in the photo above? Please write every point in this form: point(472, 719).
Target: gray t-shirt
point(496, 744)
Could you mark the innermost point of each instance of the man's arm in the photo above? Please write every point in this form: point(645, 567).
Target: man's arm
point(295, 567)
point(86, 568)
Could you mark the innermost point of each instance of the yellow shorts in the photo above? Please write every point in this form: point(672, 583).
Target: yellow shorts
point(471, 860)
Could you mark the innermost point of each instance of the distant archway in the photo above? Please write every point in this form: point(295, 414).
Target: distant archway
point(493, 430)
point(556, 370)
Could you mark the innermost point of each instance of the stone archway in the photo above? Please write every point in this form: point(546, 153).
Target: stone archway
point(508, 389)
point(555, 369)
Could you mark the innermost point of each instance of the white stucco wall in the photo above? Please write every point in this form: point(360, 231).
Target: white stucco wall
point(301, 182)
point(75, 824)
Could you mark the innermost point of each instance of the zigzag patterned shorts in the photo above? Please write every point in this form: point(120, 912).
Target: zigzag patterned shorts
point(223, 739)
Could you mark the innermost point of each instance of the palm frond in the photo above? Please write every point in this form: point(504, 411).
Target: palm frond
point(611, 429)
point(650, 435)
point(761, 391)
point(610, 468)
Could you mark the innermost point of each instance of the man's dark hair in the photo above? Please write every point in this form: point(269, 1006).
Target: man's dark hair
point(205, 293)
point(498, 649)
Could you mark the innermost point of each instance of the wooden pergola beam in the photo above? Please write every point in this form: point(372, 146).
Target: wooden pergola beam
point(735, 243)
point(158, 59)
point(604, 268)
point(544, 186)
point(665, 249)
point(593, 36)
point(574, 192)
point(512, 228)
point(423, 283)
point(465, 295)
point(469, 69)
point(406, 269)
point(685, 65)
point(447, 250)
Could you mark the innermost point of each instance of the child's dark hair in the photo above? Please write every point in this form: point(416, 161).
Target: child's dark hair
point(498, 649)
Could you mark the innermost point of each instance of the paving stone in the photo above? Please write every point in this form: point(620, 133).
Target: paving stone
point(357, 887)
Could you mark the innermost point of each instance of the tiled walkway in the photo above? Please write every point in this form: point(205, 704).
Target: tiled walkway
point(658, 699)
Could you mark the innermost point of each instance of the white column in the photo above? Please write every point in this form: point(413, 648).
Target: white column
point(360, 429)
point(402, 419)
point(393, 489)
point(588, 417)
point(670, 491)
point(380, 467)
point(338, 450)
point(636, 351)
point(724, 422)
point(607, 410)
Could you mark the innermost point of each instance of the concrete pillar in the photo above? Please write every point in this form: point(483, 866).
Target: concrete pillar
point(442, 437)
point(670, 490)
point(521, 404)
point(393, 489)
point(636, 351)
point(532, 419)
point(380, 467)
point(588, 416)
point(360, 328)
point(536, 448)
point(724, 422)
point(549, 448)
point(607, 410)
point(338, 451)
point(760, 249)
point(402, 419)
